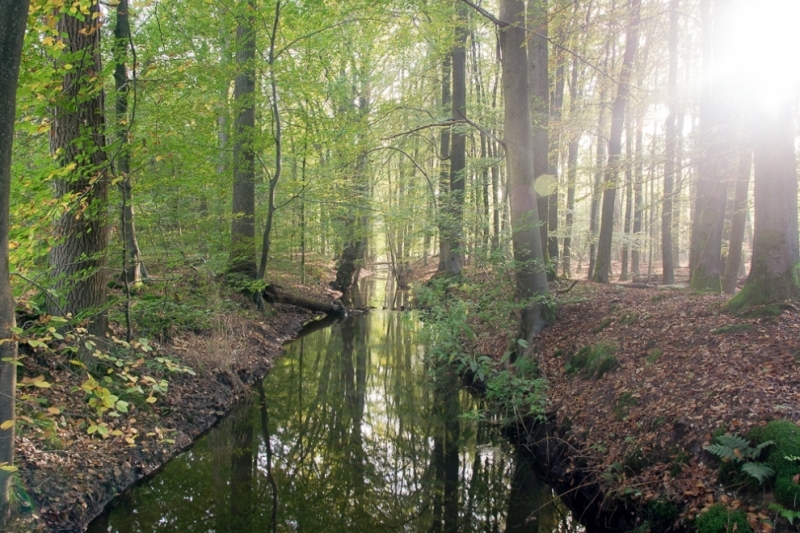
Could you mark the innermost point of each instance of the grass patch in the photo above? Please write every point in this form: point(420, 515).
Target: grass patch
point(623, 406)
point(603, 325)
point(659, 298)
point(653, 355)
point(593, 361)
point(732, 328)
point(628, 319)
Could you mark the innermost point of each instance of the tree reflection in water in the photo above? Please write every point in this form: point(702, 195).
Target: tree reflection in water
point(351, 432)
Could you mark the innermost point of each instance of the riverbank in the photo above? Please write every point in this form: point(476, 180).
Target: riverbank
point(66, 475)
point(639, 381)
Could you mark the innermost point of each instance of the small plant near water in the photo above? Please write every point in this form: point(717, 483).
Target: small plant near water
point(732, 448)
point(593, 361)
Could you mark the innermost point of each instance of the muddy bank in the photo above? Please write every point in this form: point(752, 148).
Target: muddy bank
point(68, 477)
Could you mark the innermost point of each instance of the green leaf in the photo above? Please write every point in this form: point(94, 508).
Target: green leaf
point(122, 406)
point(523, 343)
point(760, 471)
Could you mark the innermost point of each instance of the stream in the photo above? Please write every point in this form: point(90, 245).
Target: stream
point(351, 431)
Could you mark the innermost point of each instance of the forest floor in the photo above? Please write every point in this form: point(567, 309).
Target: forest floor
point(66, 476)
point(685, 370)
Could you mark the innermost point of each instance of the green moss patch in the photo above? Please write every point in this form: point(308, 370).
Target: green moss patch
point(784, 458)
point(719, 519)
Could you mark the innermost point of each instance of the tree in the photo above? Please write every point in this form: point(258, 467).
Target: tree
point(78, 260)
point(615, 146)
point(738, 220)
point(774, 271)
point(243, 230)
point(531, 279)
point(134, 269)
point(13, 18)
point(671, 132)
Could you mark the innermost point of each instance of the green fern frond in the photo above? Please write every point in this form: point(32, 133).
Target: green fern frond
point(733, 441)
point(722, 451)
point(760, 471)
point(757, 450)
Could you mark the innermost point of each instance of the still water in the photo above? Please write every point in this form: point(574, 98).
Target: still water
point(352, 431)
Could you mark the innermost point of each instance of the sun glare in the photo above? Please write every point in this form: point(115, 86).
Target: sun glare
point(766, 46)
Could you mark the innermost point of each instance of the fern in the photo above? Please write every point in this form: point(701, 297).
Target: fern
point(737, 449)
point(760, 471)
point(788, 514)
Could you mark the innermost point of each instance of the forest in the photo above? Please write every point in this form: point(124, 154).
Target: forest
point(590, 205)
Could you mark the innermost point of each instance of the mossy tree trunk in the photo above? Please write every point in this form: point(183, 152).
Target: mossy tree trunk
point(774, 269)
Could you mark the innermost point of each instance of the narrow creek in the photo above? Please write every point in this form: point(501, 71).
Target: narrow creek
point(351, 431)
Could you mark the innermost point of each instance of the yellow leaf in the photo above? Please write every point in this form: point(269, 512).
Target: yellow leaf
point(41, 384)
point(151, 399)
point(129, 440)
point(54, 410)
point(8, 424)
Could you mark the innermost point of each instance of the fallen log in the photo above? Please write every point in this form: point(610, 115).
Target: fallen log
point(275, 295)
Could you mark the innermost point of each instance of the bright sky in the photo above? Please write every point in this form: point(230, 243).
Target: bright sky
point(766, 41)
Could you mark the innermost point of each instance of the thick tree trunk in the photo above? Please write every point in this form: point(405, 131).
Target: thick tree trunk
point(774, 269)
point(603, 263)
point(77, 140)
point(717, 121)
point(276, 295)
point(738, 219)
point(670, 129)
point(531, 280)
point(458, 153)
point(539, 86)
point(134, 270)
point(13, 17)
point(243, 232)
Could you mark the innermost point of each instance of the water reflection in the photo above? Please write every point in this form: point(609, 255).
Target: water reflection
point(351, 432)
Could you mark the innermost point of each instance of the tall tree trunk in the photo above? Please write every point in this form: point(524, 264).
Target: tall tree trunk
point(458, 153)
point(77, 140)
point(774, 269)
point(539, 84)
point(600, 161)
point(638, 196)
point(626, 244)
point(603, 263)
point(243, 234)
point(717, 122)
point(134, 270)
point(13, 17)
point(670, 129)
point(444, 173)
point(557, 104)
point(738, 219)
point(531, 279)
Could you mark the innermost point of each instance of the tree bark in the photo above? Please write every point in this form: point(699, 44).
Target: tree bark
point(444, 173)
point(626, 244)
point(242, 258)
point(738, 219)
point(77, 140)
point(531, 280)
point(774, 269)
point(13, 17)
point(603, 263)
point(458, 153)
point(670, 129)
point(134, 270)
point(539, 83)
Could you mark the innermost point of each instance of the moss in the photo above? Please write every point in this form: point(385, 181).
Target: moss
point(718, 519)
point(704, 282)
point(623, 405)
point(763, 290)
point(662, 515)
point(786, 435)
point(593, 361)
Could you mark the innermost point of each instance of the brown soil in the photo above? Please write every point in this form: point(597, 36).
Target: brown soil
point(70, 475)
